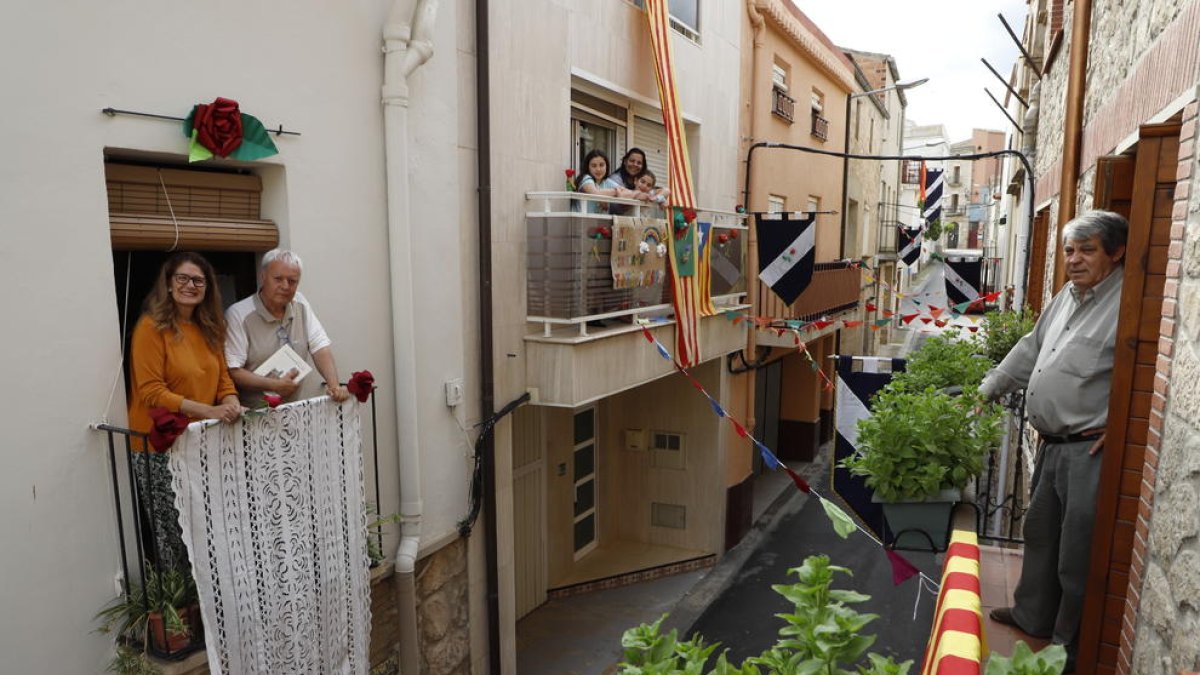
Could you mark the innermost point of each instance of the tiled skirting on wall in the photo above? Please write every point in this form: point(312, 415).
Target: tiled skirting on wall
point(618, 580)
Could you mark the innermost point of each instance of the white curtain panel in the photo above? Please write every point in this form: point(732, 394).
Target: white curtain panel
point(273, 513)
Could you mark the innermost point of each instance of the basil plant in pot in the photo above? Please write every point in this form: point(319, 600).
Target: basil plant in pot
point(928, 436)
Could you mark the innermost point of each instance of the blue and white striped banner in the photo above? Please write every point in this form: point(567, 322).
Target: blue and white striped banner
point(933, 195)
point(854, 392)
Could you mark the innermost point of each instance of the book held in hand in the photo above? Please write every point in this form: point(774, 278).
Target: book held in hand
point(281, 362)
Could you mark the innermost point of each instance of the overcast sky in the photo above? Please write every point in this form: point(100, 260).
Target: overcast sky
point(939, 39)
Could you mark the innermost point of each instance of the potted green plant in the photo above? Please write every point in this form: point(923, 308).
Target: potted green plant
point(922, 444)
point(159, 614)
point(1002, 330)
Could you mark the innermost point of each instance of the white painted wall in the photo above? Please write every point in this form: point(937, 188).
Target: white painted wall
point(314, 67)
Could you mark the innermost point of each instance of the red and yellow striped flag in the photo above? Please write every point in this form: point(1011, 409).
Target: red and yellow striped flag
point(690, 290)
point(956, 643)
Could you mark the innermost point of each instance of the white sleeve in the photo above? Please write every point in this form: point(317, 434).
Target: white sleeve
point(317, 339)
point(237, 346)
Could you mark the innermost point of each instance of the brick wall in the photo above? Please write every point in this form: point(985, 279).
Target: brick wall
point(1161, 618)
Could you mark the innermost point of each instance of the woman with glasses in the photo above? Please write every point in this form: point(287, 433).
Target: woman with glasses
point(177, 355)
point(177, 362)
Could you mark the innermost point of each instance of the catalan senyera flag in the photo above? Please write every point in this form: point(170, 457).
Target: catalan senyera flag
point(957, 643)
point(689, 259)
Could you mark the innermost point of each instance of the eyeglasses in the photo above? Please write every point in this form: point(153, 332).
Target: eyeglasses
point(184, 279)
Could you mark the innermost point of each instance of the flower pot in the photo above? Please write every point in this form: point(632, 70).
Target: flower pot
point(931, 516)
point(165, 641)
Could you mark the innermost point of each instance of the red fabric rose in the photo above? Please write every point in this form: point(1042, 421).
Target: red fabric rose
point(273, 400)
point(361, 384)
point(167, 427)
point(218, 126)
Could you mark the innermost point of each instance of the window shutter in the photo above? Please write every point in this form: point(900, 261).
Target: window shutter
point(215, 211)
point(652, 137)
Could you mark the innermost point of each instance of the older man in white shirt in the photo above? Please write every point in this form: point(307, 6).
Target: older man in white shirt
point(278, 315)
point(1065, 365)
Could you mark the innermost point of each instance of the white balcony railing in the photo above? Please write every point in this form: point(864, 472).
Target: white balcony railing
point(569, 283)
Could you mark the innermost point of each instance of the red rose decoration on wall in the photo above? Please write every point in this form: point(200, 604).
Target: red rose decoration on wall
point(167, 427)
point(218, 126)
point(361, 384)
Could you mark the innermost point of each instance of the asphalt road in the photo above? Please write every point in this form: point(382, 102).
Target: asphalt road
point(743, 618)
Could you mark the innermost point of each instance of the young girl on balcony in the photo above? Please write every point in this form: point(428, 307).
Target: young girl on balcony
point(596, 181)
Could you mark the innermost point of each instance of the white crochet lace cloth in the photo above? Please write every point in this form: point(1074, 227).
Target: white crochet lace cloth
point(274, 517)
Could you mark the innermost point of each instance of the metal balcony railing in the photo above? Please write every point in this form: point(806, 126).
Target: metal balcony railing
point(834, 288)
point(783, 105)
point(153, 559)
point(569, 277)
point(888, 236)
point(820, 126)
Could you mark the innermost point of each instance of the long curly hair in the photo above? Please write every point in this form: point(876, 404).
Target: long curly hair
point(208, 317)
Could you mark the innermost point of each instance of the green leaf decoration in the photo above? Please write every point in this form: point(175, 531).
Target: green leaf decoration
point(196, 151)
point(256, 143)
point(842, 523)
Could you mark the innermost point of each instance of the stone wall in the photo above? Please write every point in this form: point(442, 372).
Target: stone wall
point(442, 611)
point(1052, 111)
point(1167, 548)
point(1129, 30)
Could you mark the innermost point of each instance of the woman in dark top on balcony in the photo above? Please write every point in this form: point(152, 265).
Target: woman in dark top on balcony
point(633, 167)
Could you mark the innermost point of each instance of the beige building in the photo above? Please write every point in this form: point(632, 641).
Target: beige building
point(794, 88)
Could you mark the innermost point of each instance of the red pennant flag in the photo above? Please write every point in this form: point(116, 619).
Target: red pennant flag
point(741, 430)
point(939, 323)
point(876, 327)
point(902, 570)
point(649, 337)
point(908, 318)
point(822, 324)
point(871, 307)
point(798, 341)
point(926, 319)
point(935, 311)
point(888, 312)
point(800, 482)
point(992, 296)
point(851, 324)
point(973, 329)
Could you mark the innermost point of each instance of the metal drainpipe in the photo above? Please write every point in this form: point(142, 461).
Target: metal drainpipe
point(758, 25)
point(408, 43)
point(486, 368)
point(1081, 30)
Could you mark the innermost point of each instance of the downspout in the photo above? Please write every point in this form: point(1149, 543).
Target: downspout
point(1073, 124)
point(487, 404)
point(757, 24)
point(407, 43)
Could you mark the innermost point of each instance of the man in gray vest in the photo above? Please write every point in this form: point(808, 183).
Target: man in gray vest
point(275, 316)
point(1065, 366)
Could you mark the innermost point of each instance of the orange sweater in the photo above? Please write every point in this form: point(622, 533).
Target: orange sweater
point(166, 368)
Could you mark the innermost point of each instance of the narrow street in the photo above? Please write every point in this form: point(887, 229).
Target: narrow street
point(742, 618)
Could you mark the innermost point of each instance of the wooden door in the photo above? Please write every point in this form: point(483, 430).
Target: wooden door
point(1145, 196)
point(529, 509)
point(1037, 261)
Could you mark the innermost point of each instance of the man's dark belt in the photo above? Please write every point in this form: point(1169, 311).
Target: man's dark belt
point(1072, 438)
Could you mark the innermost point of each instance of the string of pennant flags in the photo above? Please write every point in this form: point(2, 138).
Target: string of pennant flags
point(843, 524)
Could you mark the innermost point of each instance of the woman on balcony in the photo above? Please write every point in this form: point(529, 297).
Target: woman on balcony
point(177, 362)
point(633, 167)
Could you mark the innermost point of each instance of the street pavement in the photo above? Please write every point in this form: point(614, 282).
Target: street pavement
point(742, 618)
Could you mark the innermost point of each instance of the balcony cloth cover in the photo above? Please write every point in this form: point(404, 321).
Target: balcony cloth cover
point(273, 513)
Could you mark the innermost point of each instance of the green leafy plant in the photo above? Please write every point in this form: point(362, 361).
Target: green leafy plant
point(822, 634)
point(163, 597)
point(944, 360)
point(1049, 661)
point(1002, 330)
point(933, 231)
point(920, 440)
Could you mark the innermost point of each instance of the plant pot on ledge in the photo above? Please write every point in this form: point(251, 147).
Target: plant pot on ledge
point(921, 523)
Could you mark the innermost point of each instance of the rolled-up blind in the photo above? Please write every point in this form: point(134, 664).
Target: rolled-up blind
point(212, 211)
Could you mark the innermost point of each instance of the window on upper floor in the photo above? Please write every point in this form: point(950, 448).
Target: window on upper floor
point(820, 125)
point(779, 75)
point(776, 204)
point(685, 16)
point(911, 172)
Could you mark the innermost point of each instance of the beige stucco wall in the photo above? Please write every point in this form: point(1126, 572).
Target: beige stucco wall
point(787, 173)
